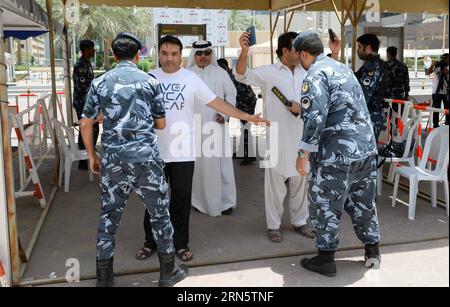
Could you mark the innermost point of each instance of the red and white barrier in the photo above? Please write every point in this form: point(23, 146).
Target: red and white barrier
point(3, 280)
point(30, 165)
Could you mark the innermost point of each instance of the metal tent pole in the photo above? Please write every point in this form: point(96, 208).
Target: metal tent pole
point(67, 78)
point(49, 5)
point(7, 162)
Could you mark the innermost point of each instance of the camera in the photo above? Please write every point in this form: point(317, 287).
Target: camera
point(442, 63)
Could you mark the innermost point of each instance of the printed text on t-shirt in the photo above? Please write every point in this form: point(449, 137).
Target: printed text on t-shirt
point(173, 96)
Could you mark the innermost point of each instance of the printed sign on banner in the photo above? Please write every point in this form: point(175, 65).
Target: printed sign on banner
point(216, 23)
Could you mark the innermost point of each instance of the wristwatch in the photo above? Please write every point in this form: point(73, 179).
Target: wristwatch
point(302, 154)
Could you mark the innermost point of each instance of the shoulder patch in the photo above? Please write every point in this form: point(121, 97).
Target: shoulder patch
point(306, 103)
point(305, 88)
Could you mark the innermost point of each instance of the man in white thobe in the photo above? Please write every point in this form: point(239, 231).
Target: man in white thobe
point(287, 75)
point(214, 187)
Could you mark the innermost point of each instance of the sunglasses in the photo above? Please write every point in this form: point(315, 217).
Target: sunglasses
point(205, 52)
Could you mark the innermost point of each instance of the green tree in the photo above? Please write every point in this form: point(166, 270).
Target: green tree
point(241, 21)
point(103, 23)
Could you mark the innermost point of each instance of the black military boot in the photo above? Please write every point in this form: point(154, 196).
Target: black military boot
point(323, 264)
point(170, 273)
point(372, 256)
point(105, 273)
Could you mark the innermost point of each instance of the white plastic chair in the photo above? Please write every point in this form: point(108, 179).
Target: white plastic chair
point(70, 153)
point(439, 138)
point(411, 136)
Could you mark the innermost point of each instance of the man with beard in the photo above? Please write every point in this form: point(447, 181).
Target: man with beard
point(374, 80)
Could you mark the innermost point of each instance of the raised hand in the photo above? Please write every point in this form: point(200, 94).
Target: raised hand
point(244, 41)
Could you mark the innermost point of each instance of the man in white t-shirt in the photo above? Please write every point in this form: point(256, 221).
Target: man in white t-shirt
point(182, 89)
point(439, 70)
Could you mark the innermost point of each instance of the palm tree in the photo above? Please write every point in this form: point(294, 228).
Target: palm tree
point(102, 22)
point(105, 22)
point(241, 20)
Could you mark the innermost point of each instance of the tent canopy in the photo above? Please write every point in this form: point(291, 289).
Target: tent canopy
point(397, 6)
point(408, 6)
point(25, 18)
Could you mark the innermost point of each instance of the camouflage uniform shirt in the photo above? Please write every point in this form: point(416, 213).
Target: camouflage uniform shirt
point(129, 100)
point(82, 78)
point(337, 125)
point(374, 82)
point(399, 75)
point(246, 98)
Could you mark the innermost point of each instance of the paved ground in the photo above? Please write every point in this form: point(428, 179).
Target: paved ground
point(70, 231)
point(239, 240)
point(412, 265)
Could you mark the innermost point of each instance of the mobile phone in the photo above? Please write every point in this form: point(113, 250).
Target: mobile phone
point(333, 36)
point(252, 38)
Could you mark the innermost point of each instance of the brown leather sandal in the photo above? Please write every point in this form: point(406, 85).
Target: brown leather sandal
point(184, 254)
point(275, 235)
point(304, 230)
point(145, 253)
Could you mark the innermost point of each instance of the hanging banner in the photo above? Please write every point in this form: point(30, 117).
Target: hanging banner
point(216, 23)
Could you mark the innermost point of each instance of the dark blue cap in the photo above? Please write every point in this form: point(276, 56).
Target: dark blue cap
point(302, 37)
point(129, 36)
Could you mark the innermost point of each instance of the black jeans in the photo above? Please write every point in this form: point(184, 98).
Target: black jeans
point(437, 103)
point(179, 175)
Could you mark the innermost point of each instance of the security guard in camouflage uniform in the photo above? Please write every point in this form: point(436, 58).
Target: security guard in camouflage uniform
point(399, 76)
point(339, 143)
point(82, 79)
point(132, 105)
point(373, 79)
point(246, 102)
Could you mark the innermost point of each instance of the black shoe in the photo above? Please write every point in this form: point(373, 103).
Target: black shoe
point(228, 211)
point(372, 257)
point(105, 275)
point(323, 264)
point(83, 164)
point(170, 273)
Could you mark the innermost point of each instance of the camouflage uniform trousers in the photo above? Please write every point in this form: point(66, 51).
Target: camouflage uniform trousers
point(379, 122)
point(351, 187)
point(118, 180)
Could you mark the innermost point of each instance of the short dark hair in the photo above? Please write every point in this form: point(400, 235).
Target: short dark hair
point(285, 41)
point(125, 48)
point(86, 44)
point(169, 39)
point(369, 40)
point(312, 44)
point(392, 51)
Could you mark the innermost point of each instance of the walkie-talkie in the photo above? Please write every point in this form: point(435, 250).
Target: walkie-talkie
point(283, 99)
